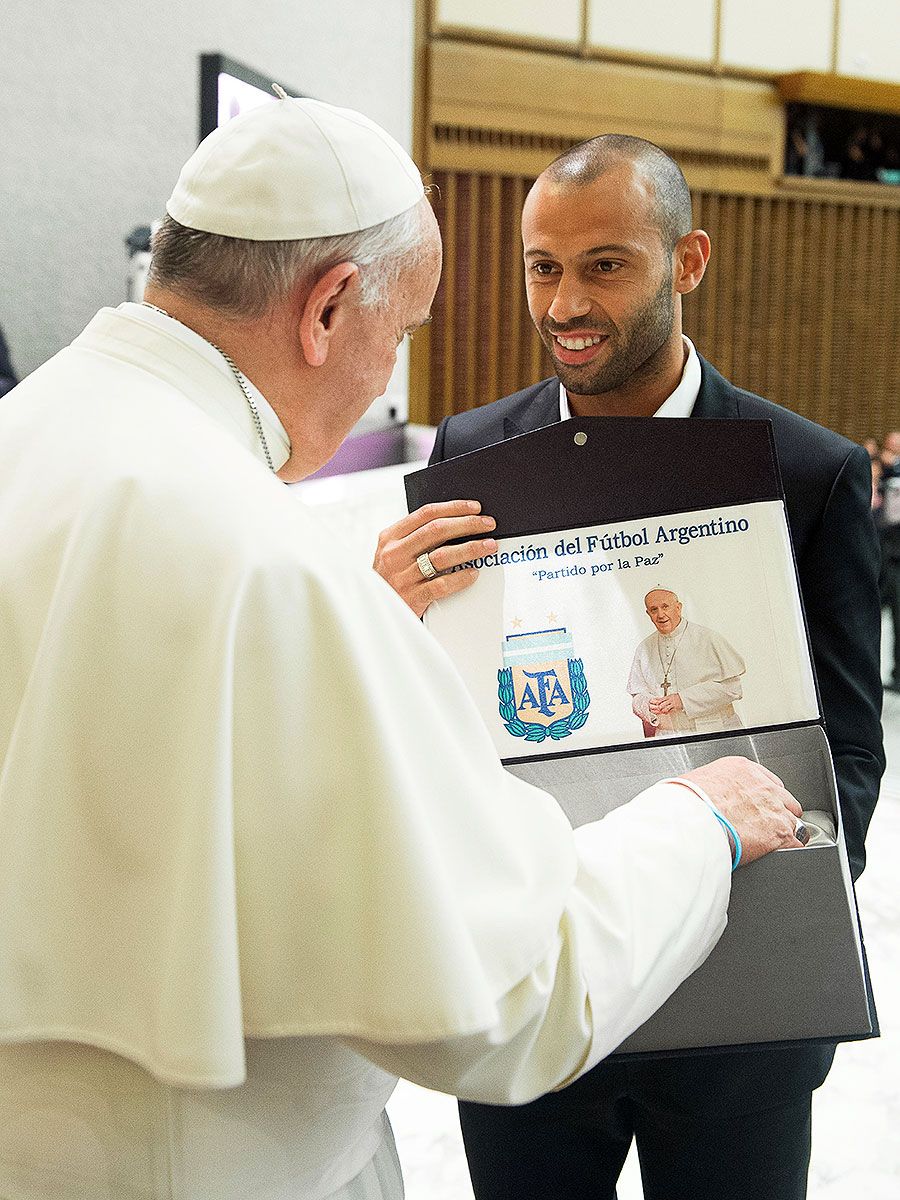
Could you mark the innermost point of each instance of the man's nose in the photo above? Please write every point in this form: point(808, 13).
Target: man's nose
point(569, 302)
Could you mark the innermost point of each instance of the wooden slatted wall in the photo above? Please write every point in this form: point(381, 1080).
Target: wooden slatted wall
point(483, 344)
point(800, 302)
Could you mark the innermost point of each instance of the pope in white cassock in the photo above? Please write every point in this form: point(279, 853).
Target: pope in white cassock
point(257, 854)
point(684, 678)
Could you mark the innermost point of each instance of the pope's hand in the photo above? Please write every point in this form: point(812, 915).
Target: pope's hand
point(667, 704)
point(754, 800)
point(427, 530)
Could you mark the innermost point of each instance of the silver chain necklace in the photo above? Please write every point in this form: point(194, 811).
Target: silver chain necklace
point(241, 380)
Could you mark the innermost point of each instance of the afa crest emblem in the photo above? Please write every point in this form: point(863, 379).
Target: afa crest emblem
point(542, 689)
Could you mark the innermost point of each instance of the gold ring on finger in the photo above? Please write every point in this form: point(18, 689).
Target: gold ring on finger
point(426, 566)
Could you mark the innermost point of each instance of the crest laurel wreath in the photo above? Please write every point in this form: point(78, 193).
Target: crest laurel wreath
point(530, 730)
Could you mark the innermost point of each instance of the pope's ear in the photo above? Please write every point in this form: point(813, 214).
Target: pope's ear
point(323, 310)
point(691, 256)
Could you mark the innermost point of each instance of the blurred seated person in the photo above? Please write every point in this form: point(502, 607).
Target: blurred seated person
point(857, 160)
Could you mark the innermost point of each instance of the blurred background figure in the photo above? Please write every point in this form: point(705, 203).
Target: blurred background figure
point(887, 516)
point(806, 150)
point(858, 159)
point(873, 449)
point(876, 486)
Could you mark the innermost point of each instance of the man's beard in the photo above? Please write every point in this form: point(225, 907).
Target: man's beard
point(630, 351)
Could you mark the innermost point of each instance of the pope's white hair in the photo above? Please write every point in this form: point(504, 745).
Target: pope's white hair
point(244, 278)
point(661, 589)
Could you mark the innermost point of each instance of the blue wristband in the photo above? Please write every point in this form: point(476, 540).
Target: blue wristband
point(733, 834)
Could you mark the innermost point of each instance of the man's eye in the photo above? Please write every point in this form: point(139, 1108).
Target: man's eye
point(606, 266)
point(542, 268)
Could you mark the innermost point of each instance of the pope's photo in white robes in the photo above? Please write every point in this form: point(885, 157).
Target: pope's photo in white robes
point(684, 677)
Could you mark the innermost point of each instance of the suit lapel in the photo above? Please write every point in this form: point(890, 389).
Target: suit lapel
point(540, 410)
point(717, 397)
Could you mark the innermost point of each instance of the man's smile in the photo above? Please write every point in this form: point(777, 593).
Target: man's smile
point(576, 348)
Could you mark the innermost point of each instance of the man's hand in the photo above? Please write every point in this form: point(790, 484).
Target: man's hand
point(754, 801)
point(666, 704)
point(428, 529)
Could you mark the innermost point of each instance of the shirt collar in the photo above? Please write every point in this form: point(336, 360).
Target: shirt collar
point(276, 435)
point(679, 404)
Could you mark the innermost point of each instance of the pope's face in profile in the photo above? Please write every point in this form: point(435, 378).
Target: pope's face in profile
point(663, 609)
point(599, 280)
point(365, 344)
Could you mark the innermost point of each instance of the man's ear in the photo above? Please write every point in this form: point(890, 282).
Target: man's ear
point(323, 309)
point(691, 256)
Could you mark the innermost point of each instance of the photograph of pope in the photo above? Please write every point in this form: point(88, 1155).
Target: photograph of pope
point(684, 677)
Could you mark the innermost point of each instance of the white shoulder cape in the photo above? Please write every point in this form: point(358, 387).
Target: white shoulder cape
point(243, 792)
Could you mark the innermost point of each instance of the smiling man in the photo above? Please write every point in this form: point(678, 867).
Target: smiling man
point(610, 250)
point(607, 312)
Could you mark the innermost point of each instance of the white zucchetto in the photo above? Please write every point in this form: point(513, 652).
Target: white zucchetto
point(293, 169)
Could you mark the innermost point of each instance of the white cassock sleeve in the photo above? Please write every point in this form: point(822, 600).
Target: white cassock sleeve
point(642, 687)
point(646, 908)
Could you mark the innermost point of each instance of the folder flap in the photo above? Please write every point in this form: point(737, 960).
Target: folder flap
point(595, 470)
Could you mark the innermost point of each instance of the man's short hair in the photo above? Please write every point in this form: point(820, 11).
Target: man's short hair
point(243, 278)
point(586, 162)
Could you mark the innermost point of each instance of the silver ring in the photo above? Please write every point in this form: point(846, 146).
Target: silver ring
point(801, 831)
point(426, 566)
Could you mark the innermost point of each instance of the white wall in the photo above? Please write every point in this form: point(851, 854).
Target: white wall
point(99, 109)
point(757, 35)
point(778, 35)
point(869, 39)
point(559, 21)
point(683, 30)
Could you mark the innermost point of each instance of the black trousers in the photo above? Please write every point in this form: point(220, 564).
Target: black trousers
point(732, 1126)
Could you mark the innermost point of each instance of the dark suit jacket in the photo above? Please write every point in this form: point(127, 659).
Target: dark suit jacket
point(828, 485)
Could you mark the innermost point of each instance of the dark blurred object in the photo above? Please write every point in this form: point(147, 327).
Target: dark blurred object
point(8, 378)
point(138, 246)
point(842, 143)
point(139, 239)
point(890, 172)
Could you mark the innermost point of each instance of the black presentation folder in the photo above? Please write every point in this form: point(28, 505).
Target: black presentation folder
point(790, 967)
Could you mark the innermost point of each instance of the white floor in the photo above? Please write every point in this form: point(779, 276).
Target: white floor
point(856, 1144)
